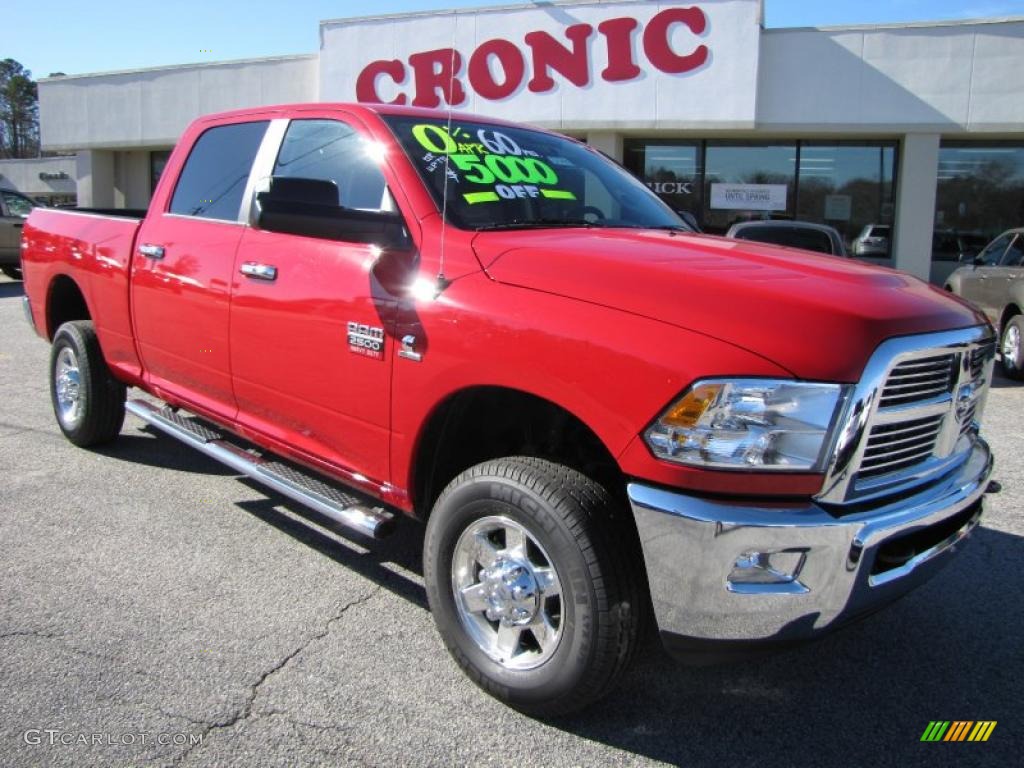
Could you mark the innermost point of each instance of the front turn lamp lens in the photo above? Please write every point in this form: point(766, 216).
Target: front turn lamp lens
point(748, 424)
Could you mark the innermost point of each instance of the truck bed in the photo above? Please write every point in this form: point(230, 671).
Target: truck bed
point(94, 248)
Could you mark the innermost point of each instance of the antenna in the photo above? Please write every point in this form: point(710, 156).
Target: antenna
point(442, 281)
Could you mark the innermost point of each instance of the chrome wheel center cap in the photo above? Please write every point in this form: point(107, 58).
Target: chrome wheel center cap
point(511, 591)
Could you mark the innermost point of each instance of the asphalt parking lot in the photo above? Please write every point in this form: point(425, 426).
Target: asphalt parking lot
point(147, 595)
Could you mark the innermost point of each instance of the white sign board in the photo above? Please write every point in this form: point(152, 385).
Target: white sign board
point(838, 207)
point(560, 64)
point(749, 197)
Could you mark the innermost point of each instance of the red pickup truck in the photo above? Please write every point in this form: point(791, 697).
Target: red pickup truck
point(601, 416)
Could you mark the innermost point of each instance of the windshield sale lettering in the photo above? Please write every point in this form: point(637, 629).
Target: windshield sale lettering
point(495, 159)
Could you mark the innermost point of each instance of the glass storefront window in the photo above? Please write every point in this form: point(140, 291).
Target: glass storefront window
point(981, 187)
point(734, 168)
point(157, 163)
point(848, 187)
point(673, 170)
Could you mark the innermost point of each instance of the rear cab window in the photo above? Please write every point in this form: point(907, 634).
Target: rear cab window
point(212, 182)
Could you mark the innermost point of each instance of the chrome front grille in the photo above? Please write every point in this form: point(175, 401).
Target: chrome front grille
point(917, 380)
point(900, 445)
point(913, 415)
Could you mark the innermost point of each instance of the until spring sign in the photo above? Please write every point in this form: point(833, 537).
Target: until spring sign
point(749, 197)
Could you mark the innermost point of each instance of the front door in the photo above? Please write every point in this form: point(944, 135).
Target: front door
point(974, 282)
point(182, 270)
point(310, 332)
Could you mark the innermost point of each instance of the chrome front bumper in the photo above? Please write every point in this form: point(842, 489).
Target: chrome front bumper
point(725, 576)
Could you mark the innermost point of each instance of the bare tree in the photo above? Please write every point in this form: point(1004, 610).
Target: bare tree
point(19, 111)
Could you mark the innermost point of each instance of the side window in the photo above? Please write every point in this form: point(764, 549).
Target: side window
point(17, 205)
point(1014, 256)
point(992, 254)
point(329, 150)
point(213, 180)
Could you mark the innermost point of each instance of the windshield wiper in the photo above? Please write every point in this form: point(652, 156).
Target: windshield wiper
point(536, 224)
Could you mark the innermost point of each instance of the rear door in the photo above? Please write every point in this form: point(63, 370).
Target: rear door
point(974, 280)
point(183, 266)
point(1011, 267)
point(311, 345)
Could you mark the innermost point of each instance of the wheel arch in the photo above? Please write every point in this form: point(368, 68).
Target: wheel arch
point(65, 301)
point(478, 423)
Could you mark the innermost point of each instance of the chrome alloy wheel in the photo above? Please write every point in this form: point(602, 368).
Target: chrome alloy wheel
point(67, 381)
point(507, 593)
point(1011, 345)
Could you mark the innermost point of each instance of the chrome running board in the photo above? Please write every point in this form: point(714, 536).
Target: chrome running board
point(297, 484)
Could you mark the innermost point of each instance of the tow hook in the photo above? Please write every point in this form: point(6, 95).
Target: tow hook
point(994, 486)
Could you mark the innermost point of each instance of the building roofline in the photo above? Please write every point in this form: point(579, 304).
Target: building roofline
point(903, 25)
point(191, 65)
point(534, 5)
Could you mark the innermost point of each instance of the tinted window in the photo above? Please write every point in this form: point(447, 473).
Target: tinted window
point(329, 150)
point(991, 255)
point(213, 180)
point(794, 237)
point(1014, 255)
point(17, 205)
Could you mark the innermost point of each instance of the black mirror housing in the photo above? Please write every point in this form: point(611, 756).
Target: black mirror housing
point(309, 207)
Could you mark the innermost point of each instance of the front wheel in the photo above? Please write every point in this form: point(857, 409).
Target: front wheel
point(87, 400)
point(532, 592)
point(1011, 349)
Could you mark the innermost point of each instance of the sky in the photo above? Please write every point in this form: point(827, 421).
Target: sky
point(77, 37)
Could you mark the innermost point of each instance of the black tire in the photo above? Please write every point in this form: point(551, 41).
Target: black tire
point(574, 521)
point(1013, 364)
point(100, 397)
point(12, 272)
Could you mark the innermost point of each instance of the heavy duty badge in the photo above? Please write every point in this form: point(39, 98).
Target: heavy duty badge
point(366, 340)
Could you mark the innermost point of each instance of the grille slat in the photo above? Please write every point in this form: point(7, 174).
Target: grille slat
point(918, 380)
point(892, 447)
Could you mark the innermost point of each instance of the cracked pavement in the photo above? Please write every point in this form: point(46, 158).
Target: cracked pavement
point(145, 590)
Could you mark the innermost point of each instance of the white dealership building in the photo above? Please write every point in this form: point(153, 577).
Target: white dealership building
point(919, 127)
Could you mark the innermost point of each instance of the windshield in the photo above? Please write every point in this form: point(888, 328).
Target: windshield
point(502, 177)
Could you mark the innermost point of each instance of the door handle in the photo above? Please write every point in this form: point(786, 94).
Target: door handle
point(152, 251)
point(259, 271)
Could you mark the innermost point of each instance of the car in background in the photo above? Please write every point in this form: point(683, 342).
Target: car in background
point(14, 209)
point(795, 234)
point(995, 283)
point(873, 241)
point(951, 249)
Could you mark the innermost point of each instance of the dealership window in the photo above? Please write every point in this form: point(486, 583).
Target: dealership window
point(980, 189)
point(848, 185)
point(673, 170)
point(157, 163)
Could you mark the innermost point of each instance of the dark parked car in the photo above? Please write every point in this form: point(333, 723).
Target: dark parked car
point(995, 282)
point(796, 234)
point(951, 250)
point(14, 209)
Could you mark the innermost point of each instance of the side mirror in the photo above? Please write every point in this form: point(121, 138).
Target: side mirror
point(309, 207)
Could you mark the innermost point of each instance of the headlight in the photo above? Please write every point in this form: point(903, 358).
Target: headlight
point(748, 424)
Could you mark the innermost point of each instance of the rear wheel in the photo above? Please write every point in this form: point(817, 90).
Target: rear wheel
point(531, 590)
point(1011, 348)
point(87, 400)
point(12, 272)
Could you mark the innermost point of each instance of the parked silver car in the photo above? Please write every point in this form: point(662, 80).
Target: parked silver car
point(14, 209)
point(995, 282)
point(796, 234)
point(872, 241)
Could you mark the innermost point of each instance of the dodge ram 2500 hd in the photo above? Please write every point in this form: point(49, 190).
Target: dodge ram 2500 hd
point(600, 415)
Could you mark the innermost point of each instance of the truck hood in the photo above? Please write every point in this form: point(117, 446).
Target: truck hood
point(819, 317)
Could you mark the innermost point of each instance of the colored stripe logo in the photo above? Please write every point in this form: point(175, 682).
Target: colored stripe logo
point(958, 730)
